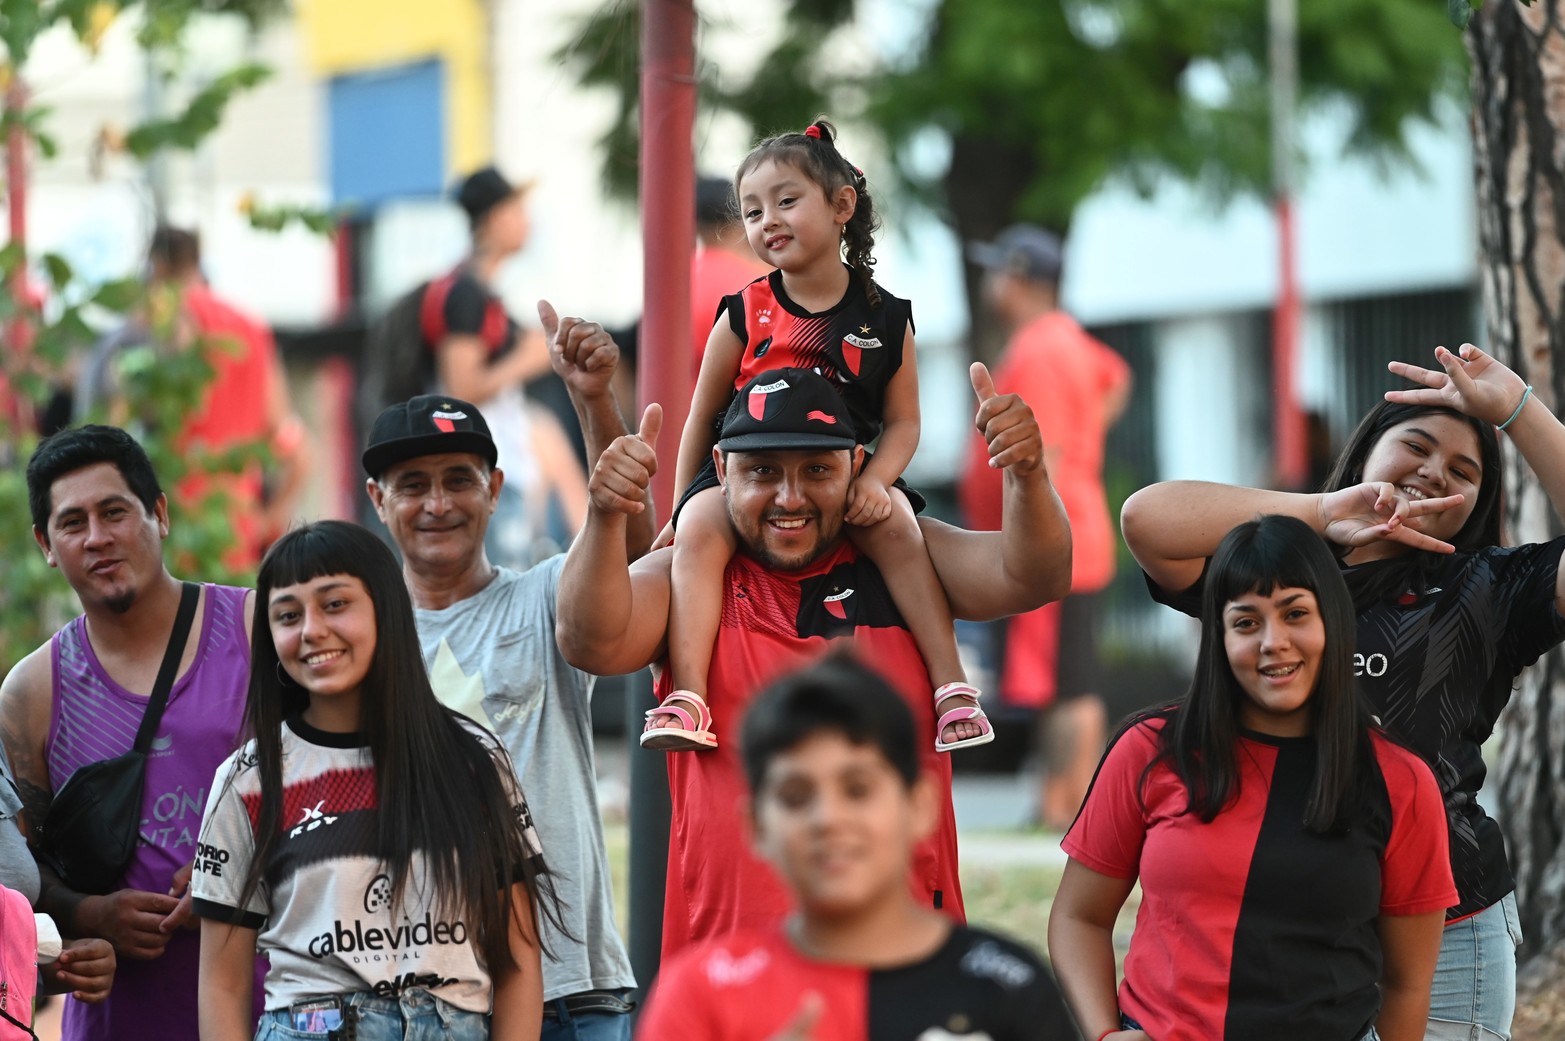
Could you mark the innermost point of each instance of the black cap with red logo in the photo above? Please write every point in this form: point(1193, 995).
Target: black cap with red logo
point(430, 424)
point(787, 408)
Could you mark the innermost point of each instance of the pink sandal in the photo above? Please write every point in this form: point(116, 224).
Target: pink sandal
point(961, 714)
point(697, 733)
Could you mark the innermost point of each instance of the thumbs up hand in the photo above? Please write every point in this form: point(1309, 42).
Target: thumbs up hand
point(624, 472)
point(1007, 424)
point(582, 353)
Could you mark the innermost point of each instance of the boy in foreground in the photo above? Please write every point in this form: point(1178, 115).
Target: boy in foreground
point(837, 806)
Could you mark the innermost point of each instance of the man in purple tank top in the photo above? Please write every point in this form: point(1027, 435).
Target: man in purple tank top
point(100, 516)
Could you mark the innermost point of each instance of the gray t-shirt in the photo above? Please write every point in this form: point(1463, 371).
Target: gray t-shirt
point(493, 658)
point(18, 871)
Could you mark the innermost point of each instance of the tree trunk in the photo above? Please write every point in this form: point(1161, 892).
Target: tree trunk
point(985, 183)
point(1518, 84)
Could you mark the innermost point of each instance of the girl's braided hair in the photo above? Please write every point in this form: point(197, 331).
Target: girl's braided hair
point(814, 153)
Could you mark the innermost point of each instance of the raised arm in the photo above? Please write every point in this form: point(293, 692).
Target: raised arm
point(1172, 527)
point(1027, 563)
point(1475, 384)
point(611, 615)
point(585, 356)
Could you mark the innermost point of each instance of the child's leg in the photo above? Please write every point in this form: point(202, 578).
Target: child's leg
point(896, 545)
point(703, 546)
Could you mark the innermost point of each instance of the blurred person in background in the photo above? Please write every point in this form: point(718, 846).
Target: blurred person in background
point(1078, 387)
point(723, 262)
point(246, 402)
point(485, 356)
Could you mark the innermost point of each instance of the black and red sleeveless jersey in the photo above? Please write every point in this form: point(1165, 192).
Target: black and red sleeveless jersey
point(856, 346)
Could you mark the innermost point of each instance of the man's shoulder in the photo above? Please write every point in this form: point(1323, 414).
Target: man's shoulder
point(31, 678)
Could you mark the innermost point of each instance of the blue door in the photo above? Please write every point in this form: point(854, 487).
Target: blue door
point(387, 134)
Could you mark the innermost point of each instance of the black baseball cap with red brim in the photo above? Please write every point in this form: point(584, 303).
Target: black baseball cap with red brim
point(430, 424)
point(787, 408)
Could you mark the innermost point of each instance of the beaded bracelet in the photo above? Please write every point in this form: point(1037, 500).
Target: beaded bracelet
point(1519, 406)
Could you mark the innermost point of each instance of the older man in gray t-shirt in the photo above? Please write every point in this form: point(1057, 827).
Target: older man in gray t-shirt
point(487, 634)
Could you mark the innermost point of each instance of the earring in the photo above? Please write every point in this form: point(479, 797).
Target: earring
point(282, 675)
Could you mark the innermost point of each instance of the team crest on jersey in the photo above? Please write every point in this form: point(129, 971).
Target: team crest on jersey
point(855, 344)
point(835, 605)
point(445, 419)
point(762, 347)
point(760, 398)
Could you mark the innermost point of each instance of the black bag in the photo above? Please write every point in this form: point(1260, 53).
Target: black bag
point(398, 362)
point(93, 825)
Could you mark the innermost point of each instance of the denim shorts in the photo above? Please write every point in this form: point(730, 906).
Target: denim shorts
point(415, 1016)
point(1474, 994)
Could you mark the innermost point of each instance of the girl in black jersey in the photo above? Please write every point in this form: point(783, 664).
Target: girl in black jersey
point(1446, 616)
point(1292, 861)
point(804, 206)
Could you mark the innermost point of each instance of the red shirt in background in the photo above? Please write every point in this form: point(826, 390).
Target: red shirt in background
point(1068, 377)
point(714, 273)
point(237, 409)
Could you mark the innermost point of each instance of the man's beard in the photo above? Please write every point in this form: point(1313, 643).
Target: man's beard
point(754, 543)
point(121, 603)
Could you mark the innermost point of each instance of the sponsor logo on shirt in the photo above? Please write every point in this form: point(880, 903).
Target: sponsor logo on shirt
point(310, 819)
point(724, 970)
point(369, 941)
point(210, 860)
point(763, 316)
point(991, 961)
point(377, 895)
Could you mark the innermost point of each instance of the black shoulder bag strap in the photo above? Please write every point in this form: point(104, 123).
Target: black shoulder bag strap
point(170, 667)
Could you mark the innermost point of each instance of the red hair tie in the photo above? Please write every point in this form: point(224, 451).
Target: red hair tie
point(813, 131)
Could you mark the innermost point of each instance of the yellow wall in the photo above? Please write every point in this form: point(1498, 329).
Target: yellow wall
point(346, 36)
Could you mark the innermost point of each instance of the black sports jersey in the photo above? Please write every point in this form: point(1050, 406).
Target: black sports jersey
point(1437, 667)
point(856, 346)
point(749, 986)
point(471, 308)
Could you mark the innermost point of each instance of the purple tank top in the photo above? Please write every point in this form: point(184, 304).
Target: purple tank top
point(95, 719)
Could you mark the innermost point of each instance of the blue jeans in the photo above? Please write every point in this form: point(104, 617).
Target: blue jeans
point(416, 1016)
point(560, 1024)
point(1474, 995)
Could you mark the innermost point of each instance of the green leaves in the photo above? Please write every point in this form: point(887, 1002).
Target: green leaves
point(1051, 98)
point(202, 115)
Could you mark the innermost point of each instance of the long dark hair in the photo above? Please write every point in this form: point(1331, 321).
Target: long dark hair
point(1200, 741)
point(815, 155)
point(438, 784)
point(1482, 528)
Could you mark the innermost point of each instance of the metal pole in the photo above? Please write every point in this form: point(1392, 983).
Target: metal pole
point(668, 99)
point(1292, 463)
